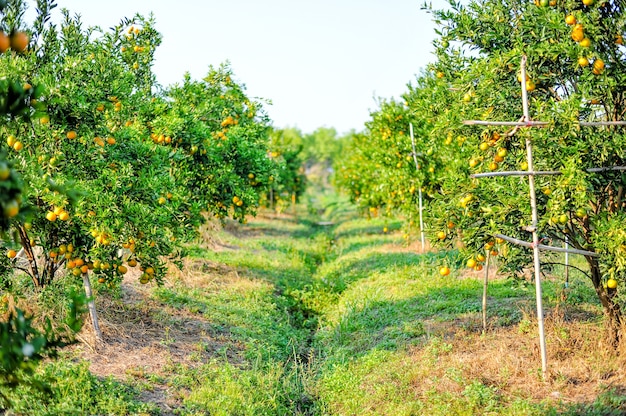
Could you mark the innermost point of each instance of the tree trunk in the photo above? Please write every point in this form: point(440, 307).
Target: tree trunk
point(611, 308)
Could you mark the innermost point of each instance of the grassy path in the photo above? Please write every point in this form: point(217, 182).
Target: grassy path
point(284, 317)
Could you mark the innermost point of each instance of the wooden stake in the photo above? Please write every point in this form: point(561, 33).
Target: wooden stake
point(91, 304)
point(419, 191)
point(485, 284)
point(535, 221)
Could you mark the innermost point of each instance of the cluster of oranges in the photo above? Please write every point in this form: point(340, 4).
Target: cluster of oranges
point(17, 41)
point(578, 35)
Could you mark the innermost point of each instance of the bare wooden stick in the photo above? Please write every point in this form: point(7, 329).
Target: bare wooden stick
point(485, 285)
point(506, 123)
point(546, 247)
point(602, 123)
point(607, 169)
point(542, 172)
point(92, 308)
point(514, 173)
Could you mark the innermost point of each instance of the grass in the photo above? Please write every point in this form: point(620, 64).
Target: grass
point(285, 317)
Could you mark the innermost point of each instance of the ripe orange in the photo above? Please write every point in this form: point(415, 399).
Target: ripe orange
point(111, 140)
point(11, 140)
point(483, 146)
point(578, 32)
point(583, 62)
point(5, 43)
point(444, 271)
point(18, 146)
point(64, 216)
point(598, 66)
point(122, 269)
point(585, 43)
point(11, 253)
point(51, 216)
point(19, 41)
point(587, 2)
point(478, 267)
point(619, 39)
point(570, 19)
point(71, 134)
point(611, 283)
point(441, 235)
point(480, 257)
point(471, 263)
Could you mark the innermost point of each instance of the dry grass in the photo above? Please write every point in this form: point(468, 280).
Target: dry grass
point(144, 337)
point(580, 367)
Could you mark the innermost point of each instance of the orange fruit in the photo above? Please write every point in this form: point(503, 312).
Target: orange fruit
point(11, 253)
point(444, 271)
point(51, 216)
point(570, 19)
point(111, 140)
point(71, 134)
point(11, 140)
point(5, 43)
point(18, 146)
point(585, 43)
point(19, 41)
point(471, 263)
point(578, 32)
point(583, 62)
point(611, 283)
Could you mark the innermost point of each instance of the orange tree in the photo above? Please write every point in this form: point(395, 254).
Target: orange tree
point(115, 175)
point(380, 171)
point(575, 73)
point(223, 136)
point(93, 180)
point(286, 147)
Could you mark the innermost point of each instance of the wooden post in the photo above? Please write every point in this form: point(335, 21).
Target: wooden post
point(566, 262)
point(485, 284)
point(419, 191)
point(91, 304)
point(535, 221)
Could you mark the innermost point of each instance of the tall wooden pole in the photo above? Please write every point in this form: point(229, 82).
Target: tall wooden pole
point(419, 191)
point(535, 221)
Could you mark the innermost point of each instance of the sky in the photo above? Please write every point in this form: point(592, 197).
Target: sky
point(321, 63)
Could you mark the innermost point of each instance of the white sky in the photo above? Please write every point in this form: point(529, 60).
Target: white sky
point(321, 63)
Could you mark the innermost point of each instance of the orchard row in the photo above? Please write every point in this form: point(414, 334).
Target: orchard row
point(103, 170)
point(576, 71)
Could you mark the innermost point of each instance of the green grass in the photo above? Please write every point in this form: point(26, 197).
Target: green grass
point(340, 320)
point(75, 391)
